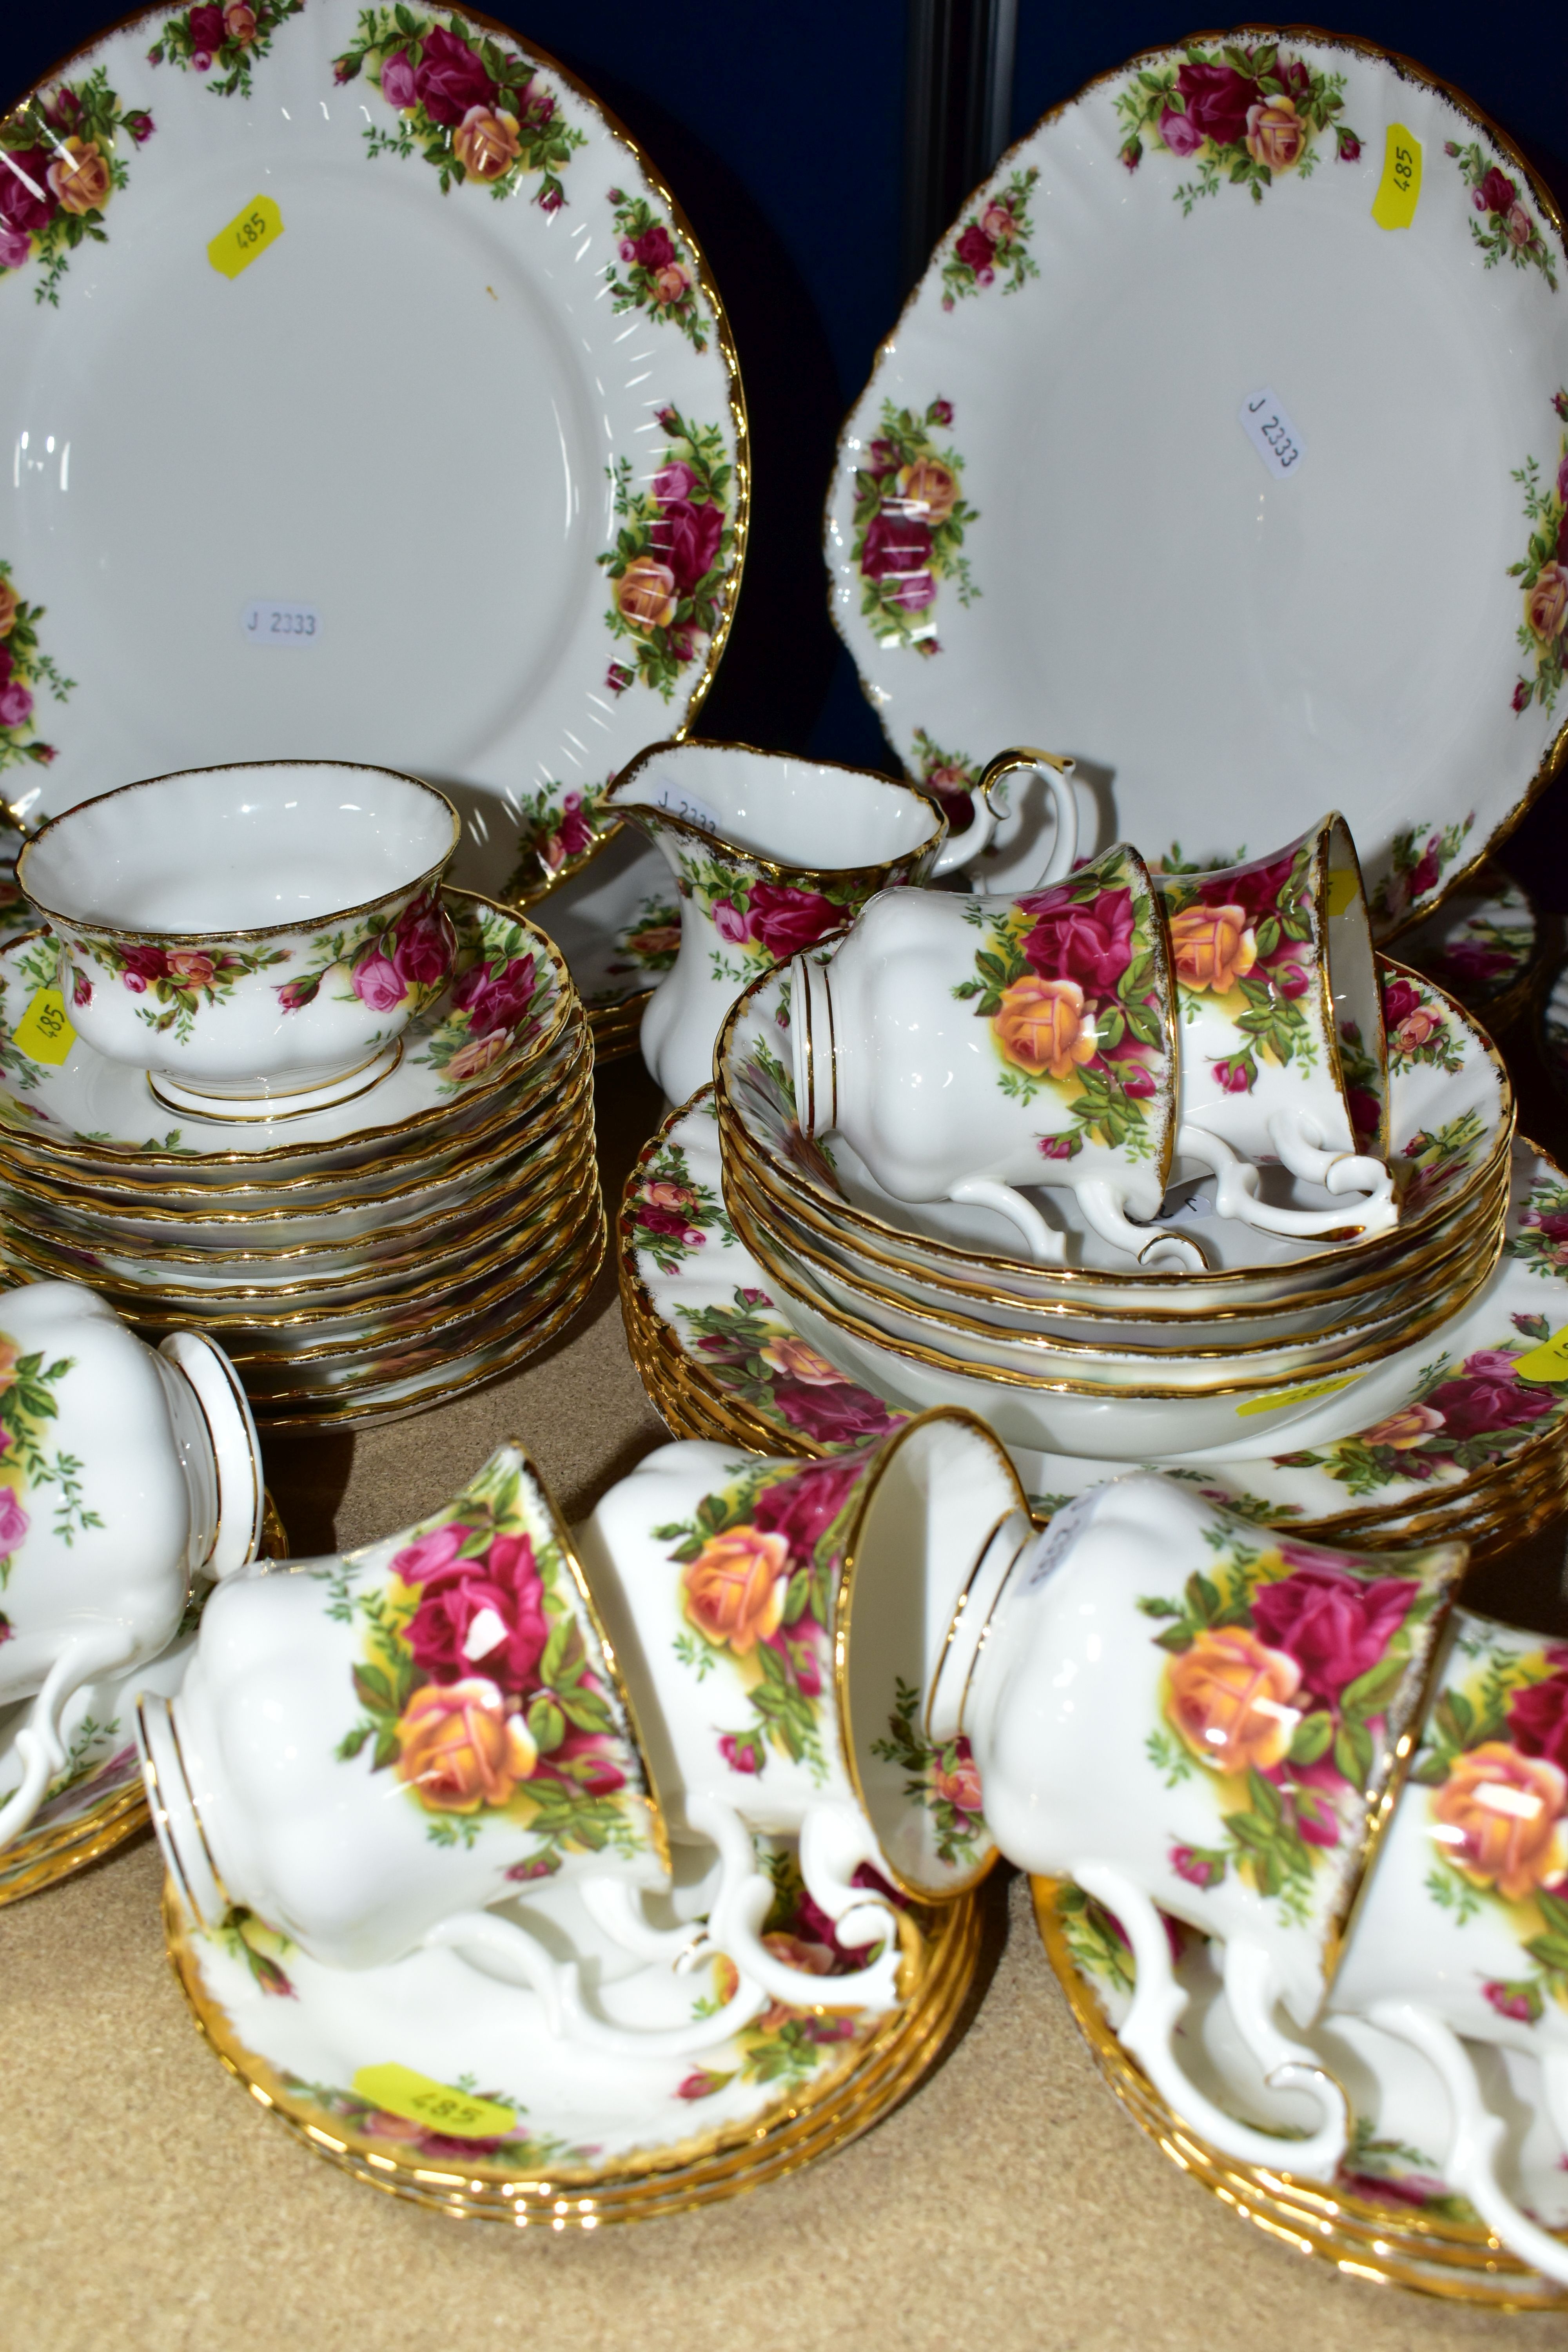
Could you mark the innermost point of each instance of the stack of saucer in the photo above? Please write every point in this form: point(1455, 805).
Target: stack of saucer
point(357, 1262)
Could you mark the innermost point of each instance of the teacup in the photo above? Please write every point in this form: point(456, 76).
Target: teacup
point(1462, 1930)
point(368, 1750)
point(1185, 1713)
point(966, 1046)
point(255, 936)
point(1281, 1033)
point(780, 1619)
point(770, 854)
point(125, 1472)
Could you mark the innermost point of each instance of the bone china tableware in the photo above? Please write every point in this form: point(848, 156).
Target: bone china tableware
point(364, 199)
point(250, 933)
point(128, 1472)
point(1214, 203)
point(743, 833)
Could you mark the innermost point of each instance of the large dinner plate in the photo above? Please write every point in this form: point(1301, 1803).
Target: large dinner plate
point(1223, 446)
point(366, 397)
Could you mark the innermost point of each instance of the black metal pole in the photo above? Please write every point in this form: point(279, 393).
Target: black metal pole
point(958, 112)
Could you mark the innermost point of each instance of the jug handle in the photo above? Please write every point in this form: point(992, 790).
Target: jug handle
point(959, 849)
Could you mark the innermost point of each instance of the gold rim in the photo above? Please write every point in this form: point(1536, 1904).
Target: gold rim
point(721, 2163)
point(1405, 68)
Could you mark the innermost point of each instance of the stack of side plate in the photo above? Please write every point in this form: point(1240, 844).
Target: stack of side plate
point(1463, 1439)
point(357, 1263)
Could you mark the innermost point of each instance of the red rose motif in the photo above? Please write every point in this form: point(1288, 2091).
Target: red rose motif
point(1496, 192)
point(27, 201)
point(976, 250)
point(1472, 960)
point(959, 1785)
point(497, 1001)
point(425, 942)
point(1552, 1225)
point(206, 29)
point(1090, 942)
point(576, 832)
point(785, 919)
point(1216, 99)
point(1537, 1719)
point(141, 127)
point(449, 79)
point(1254, 888)
point(1401, 998)
point(140, 965)
point(1423, 873)
point(654, 1219)
point(484, 1615)
point(1350, 146)
point(655, 250)
point(686, 538)
point(1333, 1624)
point(898, 547)
point(1293, 79)
point(833, 1416)
point(1486, 1396)
point(802, 1507)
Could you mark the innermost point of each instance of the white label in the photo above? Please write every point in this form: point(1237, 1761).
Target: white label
point(679, 803)
point(267, 623)
point(1272, 435)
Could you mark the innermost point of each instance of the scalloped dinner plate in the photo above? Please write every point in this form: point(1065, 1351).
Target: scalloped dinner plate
point(367, 397)
point(1223, 447)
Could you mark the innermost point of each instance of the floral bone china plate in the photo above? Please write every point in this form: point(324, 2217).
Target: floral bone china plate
point(989, 525)
point(1473, 1403)
point(516, 572)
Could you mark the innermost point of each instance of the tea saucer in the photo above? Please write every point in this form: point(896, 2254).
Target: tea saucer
point(1004, 569)
point(1389, 2213)
point(455, 1058)
point(437, 2084)
point(618, 923)
point(444, 210)
point(1444, 1428)
point(1486, 942)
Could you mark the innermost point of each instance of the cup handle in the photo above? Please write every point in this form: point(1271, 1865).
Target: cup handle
point(1470, 2166)
point(1148, 1245)
point(1298, 1143)
point(616, 1907)
point(745, 1900)
point(1235, 1193)
point(1063, 803)
point(1148, 2031)
point(1044, 1245)
point(108, 1649)
point(835, 1839)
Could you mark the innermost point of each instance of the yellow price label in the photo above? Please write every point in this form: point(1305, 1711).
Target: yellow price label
point(253, 228)
point(44, 1033)
point(399, 2091)
point(1341, 890)
point(1399, 190)
point(1547, 1362)
point(1296, 1396)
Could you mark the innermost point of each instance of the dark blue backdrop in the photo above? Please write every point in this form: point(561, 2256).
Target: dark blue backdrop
point(780, 128)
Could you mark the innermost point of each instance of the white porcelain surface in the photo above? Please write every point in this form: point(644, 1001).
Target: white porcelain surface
point(432, 610)
point(1214, 680)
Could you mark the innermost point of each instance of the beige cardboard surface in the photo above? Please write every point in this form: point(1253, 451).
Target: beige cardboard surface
point(148, 2205)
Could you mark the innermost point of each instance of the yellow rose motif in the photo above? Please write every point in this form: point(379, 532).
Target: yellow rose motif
point(645, 594)
point(1404, 1429)
point(1229, 1697)
point(477, 1055)
point(9, 600)
point(486, 144)
point(669, 284)
point(78, 175)
point(459, 1748)
point(1040, 1027)
point(1546, 604)
point(240, 23)
point(1498, 1817)
point(1213, 947)
point(795, 1361)
point(1276, 134)
point(928, 490)
point(733, 1591)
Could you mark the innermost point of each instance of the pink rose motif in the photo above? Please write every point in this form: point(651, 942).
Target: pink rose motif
point(1291, 981)
point(27, 201)
point(1136, 1080)
point(998, 223)
point(483, 1615)
point(804, 1506)
point(655, 250)
point(16, 705)
point(1537, 1719)
point(376, 982)
point(731, 923)
point(424, 942)
point(958, 1784)
point(1293, 79)
point(670, 283)
point(1496, 192)
point(686, 537)
point(14, 1521)
point(675, 480)
point(1180, 133)
point(1333, 1624)
point(1521, 2002)
point(536, 106)
point(1519, 226)
point(739, 1754)
point(833, 1416)
point(397, 85)
point(498, 1002)
point(592, 1767)
point(1217, 99)
point(1487, 1397)
point(240, 23)
point(1234, 1076)
point(15, 246)
point(449, 78)
point(425, 1554)
point(577, 833)
point(1090, 942)
point(785, 919)
point(977, 252)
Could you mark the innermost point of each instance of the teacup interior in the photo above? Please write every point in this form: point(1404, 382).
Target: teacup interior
point(223, 850)
point(819, 819)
